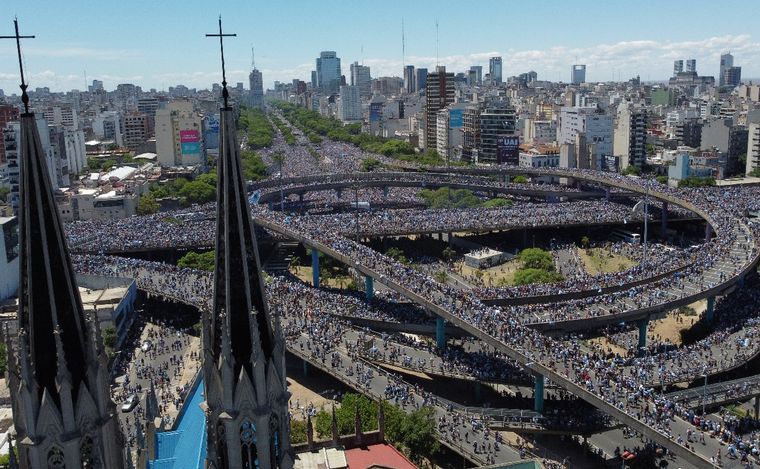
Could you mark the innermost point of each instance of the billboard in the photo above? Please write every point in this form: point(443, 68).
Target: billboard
point(508, 150)
point(186, 136)
point(191, 148)
point(456, 118)
point(375, 111)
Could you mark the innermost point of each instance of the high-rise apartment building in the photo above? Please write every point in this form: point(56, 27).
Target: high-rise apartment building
point(256, 84)
point(470, 131)
point(594, 124)
point(178, 135)
point(149, 106)
point(732, 76)
point(361, 78)
point(439, 93)
point(494, 70)
point(8, 113)
point(409, 79)
point(136, 130)
point(108, 126)
point(62, 115)
point(420, 79)
point(691, 65)
point(578, 74)
point(630, 136)
point(726, 62)
point(497, 121)
point(677, 67)
point(478, 71)
point(350, 104)
point(328, 72)
point(753, 148)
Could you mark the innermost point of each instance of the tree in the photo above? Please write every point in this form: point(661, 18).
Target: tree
point(198, 192)
point(440, 276)
point(520, 179)
point(369, 164)
point(585, 242)
point(147, 205)
point(662, 179)
point(109, 337)
point(4, 191)
point(536, 258)
point(448, 254)
point(201, 261)
point(694, 181)
point(297, 431)
point(755, 173)
point(632, 171)
point(530, 276)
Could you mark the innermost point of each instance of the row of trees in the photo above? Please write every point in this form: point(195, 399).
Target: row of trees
point(200, 261)
point(412, 433)
point(287, 134)
point(258, 129)
point(315, 126)
point(445, 197)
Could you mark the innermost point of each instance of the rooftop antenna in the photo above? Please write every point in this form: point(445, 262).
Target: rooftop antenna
point(253, 58)
point(362, 54)
point(85, 80)
point(403, 44)
point(221, 36)
point(436, 43)
point(18, 37)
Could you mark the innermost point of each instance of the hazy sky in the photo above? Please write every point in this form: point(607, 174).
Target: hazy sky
point(159, 43)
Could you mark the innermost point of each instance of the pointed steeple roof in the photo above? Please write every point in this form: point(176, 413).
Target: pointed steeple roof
point(50, 308)
point(240, 309)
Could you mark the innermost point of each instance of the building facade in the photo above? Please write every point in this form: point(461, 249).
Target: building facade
point(494, 70)
point(178, 135)
point(361, 78)
point(328, 72)
point(439, 93)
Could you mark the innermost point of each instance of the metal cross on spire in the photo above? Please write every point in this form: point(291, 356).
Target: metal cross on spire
point(18, 38)
point(221, 36)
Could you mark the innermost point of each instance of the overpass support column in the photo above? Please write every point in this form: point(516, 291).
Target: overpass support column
point(305, 368)
point(385, 192)
point(607, 194)
point(271, 205)
point(708, 232)
point(664, 221)
point(369, 287)
point(315, 268)
point(643, 324)
point(440, 332)
point(338, 192)
point(710, 311)
point(757, 407)
point(740, 282)
point(538, 393)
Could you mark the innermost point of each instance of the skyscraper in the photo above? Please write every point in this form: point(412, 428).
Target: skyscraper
point(478, 70)
point(420, 80)
point(729, 75)
point(439, 93)
point(578, 74)
point(350, 104)
point(256, 83)
point(409, 79)
point(494, 70)
point(691, 65)
point(677, 67)
point(328, 72)
point(360, 77)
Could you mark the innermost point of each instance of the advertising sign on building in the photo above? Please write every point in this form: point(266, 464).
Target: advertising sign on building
point(455, 118)
point(508, 150)
point(191, 148)
point(189, 136)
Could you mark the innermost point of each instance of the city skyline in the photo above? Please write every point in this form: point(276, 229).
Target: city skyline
point(166, 48)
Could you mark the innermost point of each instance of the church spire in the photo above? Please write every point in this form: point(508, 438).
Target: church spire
point(58, 386)
point(244, 370)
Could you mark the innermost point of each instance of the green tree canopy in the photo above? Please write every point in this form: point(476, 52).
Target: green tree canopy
point(147, 205)
point(201, 261)
point(536, 258)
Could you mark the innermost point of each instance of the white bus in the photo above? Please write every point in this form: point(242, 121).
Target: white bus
point(627, 236)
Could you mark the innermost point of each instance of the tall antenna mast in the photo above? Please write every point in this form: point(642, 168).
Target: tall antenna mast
point(436, 43)
point(403, 44)
point(253, 58)
point(362, 54)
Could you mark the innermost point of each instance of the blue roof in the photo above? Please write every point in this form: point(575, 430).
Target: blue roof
point(184, 447)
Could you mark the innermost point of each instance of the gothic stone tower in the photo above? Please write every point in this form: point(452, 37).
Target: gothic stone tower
point(244, 354)
point(58, 377)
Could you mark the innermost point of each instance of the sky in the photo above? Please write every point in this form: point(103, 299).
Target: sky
point(161, 43)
